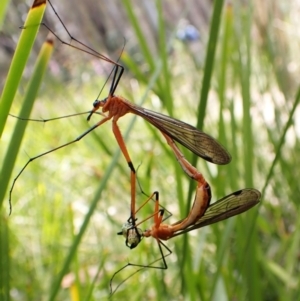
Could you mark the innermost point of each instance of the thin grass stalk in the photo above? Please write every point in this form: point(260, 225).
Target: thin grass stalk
point(142, 41)
point(281, 142)
point(166, 93)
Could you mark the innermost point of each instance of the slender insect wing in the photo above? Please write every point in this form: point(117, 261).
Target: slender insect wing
point(231, 205)
point(196, 141)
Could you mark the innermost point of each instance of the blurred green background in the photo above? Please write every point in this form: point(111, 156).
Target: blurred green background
point(233, 71)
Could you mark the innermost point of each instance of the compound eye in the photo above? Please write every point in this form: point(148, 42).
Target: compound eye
point(96, 103)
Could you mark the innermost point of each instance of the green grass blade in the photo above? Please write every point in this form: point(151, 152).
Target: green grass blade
point(142, 41)
point(19, 60)
point(208, 70)
point(30, 95)
point(223, 81)
point(245, 71)
point(209, 63)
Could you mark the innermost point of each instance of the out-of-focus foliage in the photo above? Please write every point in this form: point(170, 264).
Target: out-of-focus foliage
point(60, 241)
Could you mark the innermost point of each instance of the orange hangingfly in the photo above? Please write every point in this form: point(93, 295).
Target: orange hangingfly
point(230, 205)
point(198, 217)
point(201, 214)
point(114, 107)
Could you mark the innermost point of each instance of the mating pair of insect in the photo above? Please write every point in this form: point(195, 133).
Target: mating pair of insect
point(202, 212)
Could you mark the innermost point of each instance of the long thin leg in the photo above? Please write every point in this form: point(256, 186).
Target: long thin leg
point(134, 232)
point(190, 170)
point(86, 48)
point(130, 231)
point(116, 78)
point(69, 143)
point(120, 140)
point(142, 267)
point(55, 118)
point(203, 192)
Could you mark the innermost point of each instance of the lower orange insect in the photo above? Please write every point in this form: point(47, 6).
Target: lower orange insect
point(201, 214)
